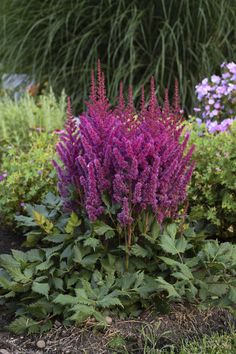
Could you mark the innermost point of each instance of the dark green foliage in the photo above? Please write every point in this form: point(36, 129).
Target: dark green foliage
point(212, 197)
point(76, 272)
point(61, 40)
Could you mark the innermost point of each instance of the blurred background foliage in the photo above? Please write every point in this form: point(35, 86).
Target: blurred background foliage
point(60, 41)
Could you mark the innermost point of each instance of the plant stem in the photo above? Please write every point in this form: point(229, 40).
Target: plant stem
point(129, 241)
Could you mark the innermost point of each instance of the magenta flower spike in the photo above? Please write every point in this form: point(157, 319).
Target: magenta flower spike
point(133, 156)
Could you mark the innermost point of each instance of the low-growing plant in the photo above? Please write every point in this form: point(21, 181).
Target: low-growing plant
point(19, 119)
point(212, 198)
point(26, 176)
point(72, 274)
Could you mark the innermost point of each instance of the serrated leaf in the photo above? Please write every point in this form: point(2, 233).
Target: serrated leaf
point(55, 238)
point(181, 245)
point(164, 285)
point(92, 242)
point(100, 228)
point(169, 261)
point(90, 260)
point(185, 271)
point(139, 251)
point(232, 294)
point(32, 238)
point(58, 283)
point(65, 300)
point(73, 222)
point(109, 301)
point(44, 265)
point(218, 289)
point(109, 234)
point(5, 283)
point(20, 256)
point(139, 279)
point(128, 281)
point(41, 288)
point(68, 252)
point(34, 255)
point(82, 313)
point(77, 254)
point(168, 245)
point(155, 230)
point(7, 261)
point(172, 230)
point(23, 324)
point(179, 275)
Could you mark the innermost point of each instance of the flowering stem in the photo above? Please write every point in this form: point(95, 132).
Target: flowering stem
point(129, 241)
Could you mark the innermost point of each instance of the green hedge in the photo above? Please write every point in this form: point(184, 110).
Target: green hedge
point(212, 194)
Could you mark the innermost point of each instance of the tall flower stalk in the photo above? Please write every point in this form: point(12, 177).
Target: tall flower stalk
point(132, 156)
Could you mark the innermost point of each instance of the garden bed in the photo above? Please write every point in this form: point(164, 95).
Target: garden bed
point(129, 336)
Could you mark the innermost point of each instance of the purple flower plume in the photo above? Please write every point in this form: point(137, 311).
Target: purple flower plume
point(134, 156)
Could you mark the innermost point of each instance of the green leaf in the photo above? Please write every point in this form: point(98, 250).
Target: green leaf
point(139, 279)
point(5, 283)
point(164, 285)
point(218, 289)
point(58, 283)
point(90, 260)
point(34, 255)
point(20, 256)
point(100, 228)
point(169, 261)
point(7, 261)
point(92, 242)
point(155, 230)
point(139, 251)
point(232, 294)
point(109, 234)
point(77, 254)
point(44, 265)
point(22, 324)
point(73, 222)
point(172, 230)
point(32, 238)
point(41, 288)
point(55, 238)
point(181, 244)
point(179, 275)
point(65, 300)
point(128, 281)
point(185, 271)
point(109, 301)
point(168, 245)
point(82, 313)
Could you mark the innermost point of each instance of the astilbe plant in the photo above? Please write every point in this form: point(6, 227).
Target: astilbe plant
point(132, 157)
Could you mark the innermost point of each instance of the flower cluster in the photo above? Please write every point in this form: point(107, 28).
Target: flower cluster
point(3, 176)
point(217, 99)
point(134, 157)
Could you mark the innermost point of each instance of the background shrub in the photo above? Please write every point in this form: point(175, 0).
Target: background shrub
point(217, 99)
point(19, 119)
point(26, 175)
point(60, 40)
point(212, 196)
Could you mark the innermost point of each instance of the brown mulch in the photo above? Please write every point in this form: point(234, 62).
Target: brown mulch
point(182, 323)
